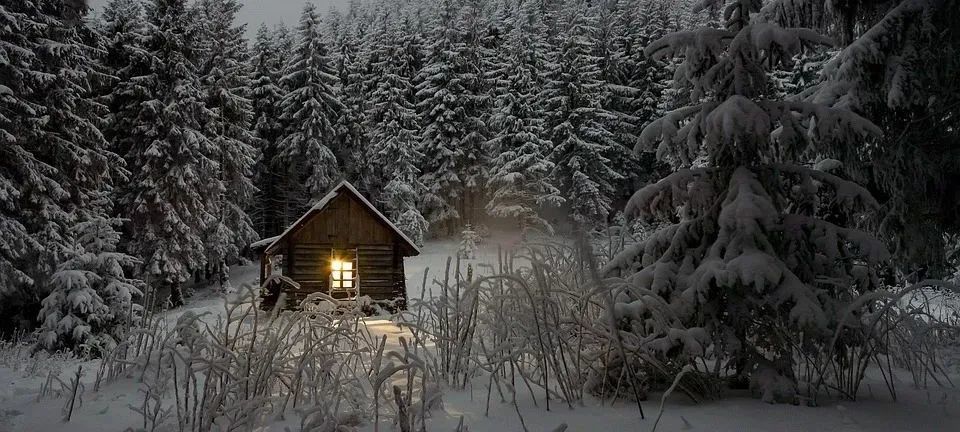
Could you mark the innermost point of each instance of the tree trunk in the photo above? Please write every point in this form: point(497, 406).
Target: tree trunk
point(176, 294)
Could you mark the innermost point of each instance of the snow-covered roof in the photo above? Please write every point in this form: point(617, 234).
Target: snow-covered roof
point(274, 241)
point(263, 242)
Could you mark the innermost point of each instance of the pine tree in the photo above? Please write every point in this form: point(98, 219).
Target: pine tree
point(355, 75)
point(91, 305)
point(226, 84)
point(576, 123)
point(22, 172)
point(439, 105)
point(759, 251)
point(265, 95)
point(452, 105)
point(123, 32)
point(54, 161)
point(477, 57)
point(520, 181)
point(173, 200)
point(469, 241)
point(646, 21)
point(283, 42)
point(393, 136)
point(652, 21)
point(608, 37)
point(310, 110)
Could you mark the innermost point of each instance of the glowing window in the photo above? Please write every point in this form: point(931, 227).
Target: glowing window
point(342, 274)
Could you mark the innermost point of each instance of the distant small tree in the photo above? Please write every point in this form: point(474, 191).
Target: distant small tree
point(469, 242)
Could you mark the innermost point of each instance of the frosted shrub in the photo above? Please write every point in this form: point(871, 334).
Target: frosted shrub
point(248, 367)
point(520, 330)
point(610, 376)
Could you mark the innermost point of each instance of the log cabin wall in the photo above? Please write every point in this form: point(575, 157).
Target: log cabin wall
point(346, 224)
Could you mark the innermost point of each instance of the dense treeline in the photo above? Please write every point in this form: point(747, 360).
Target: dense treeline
point(152, 144)
point(445, 113)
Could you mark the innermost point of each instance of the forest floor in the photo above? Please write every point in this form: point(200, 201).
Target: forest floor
point(933, 409)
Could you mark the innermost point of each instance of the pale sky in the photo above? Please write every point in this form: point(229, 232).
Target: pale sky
point(271, 12)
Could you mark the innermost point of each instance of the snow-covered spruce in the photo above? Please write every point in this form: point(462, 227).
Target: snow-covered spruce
point(576, 123)
point(92, 303)
point(393, 135)
point(469, 241)
point(265, 95)
point(174, 199)
point(914, 49)
point(357, 74)
point(452, 99)
point(55, 166)
point(309, 110)
point(520, 180)
point(226, 83)
point(761, 254)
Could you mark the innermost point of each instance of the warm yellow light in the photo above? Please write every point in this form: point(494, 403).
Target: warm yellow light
point(341, 274)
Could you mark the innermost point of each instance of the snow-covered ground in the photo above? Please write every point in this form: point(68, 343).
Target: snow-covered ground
point(22, 408)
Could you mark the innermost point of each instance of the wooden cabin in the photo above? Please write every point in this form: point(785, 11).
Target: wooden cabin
point(342, 246)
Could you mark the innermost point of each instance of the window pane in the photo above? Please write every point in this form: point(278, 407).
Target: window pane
point(336, 275)
point(336, 284)
point(337, 264)
point(348, 275)
point(348, 265)
point(348, 284)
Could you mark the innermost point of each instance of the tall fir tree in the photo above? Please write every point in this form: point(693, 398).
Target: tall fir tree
point(226, 83)
point(393, 138)
point(451, 101)
point(608, 35)
point(480, 39)
point(651, 78)
point(122, 28)
point(310, 110)
point(54, 161)
point(173, 201)
point(265, 96)
point(576, 121)
point(759, 252)
point(354, 72)
point(441, 114)
point(520, 183)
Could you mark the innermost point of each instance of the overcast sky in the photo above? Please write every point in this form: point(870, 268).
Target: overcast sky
point(271, 12)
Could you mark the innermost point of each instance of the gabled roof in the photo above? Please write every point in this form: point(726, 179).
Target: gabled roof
point(343, 187)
